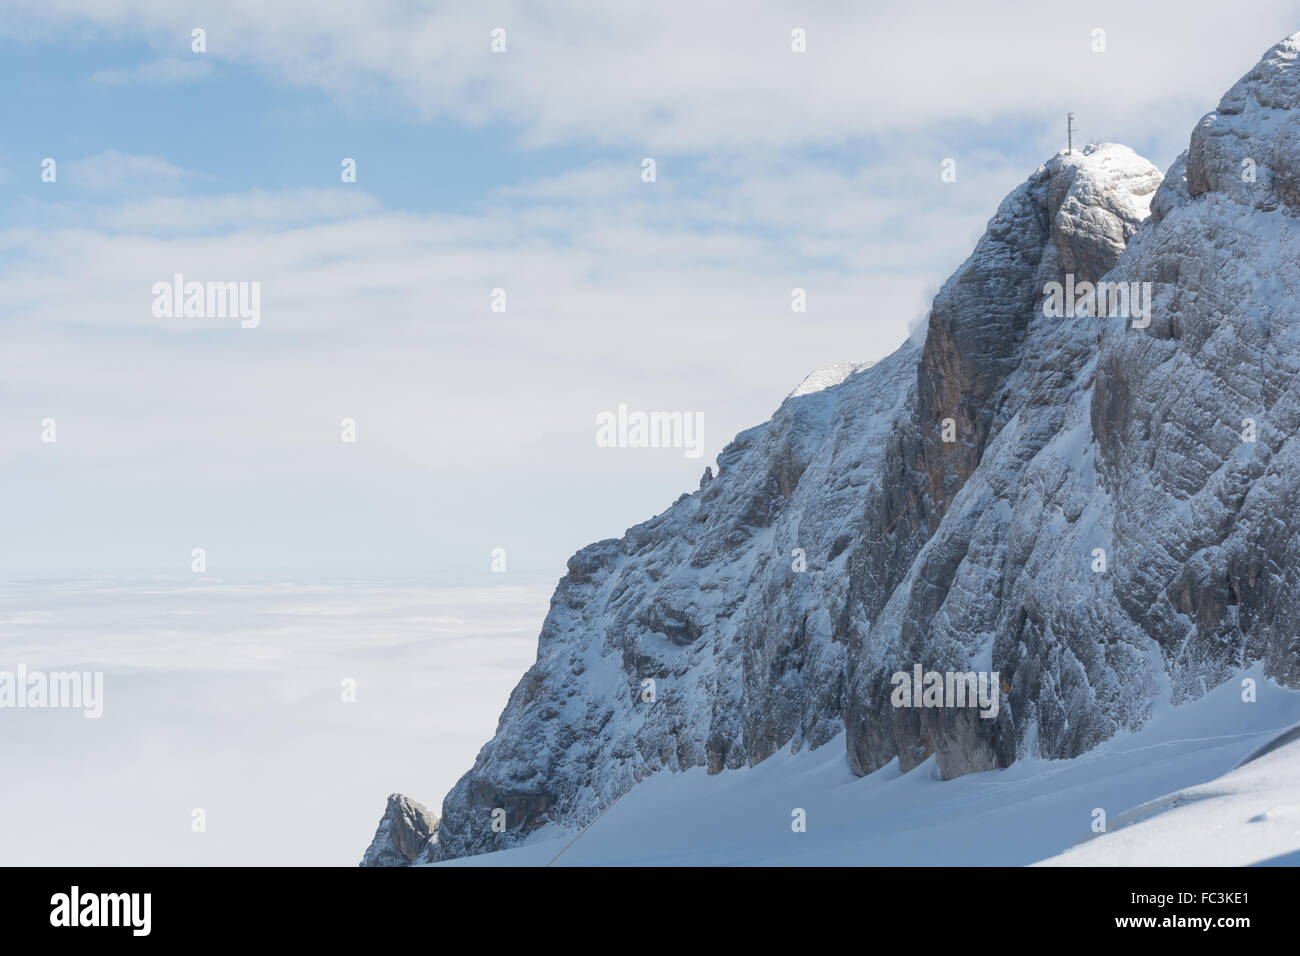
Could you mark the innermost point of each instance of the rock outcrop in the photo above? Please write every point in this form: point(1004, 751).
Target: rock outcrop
point(407, 834)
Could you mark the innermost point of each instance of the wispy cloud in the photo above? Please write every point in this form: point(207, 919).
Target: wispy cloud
point(166, 70)
point(700, 75)
point(114, 171)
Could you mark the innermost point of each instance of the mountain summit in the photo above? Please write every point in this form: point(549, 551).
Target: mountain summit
point(1092, 501)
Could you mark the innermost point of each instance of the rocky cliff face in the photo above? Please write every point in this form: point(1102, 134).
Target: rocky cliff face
point(1203, 514)
point(694, 640)
point(942, 544)
point(848, 538)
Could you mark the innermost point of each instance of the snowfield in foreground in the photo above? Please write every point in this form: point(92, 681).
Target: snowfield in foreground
point(1170, 792)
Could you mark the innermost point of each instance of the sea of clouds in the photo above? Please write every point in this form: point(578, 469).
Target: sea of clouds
point(228, 696)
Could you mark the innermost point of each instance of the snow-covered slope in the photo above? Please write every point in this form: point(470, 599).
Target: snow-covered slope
point(947, 506)
point(1248, 817)
point(1032, 811)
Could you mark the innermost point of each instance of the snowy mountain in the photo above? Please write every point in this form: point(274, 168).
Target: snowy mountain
point(1090, 498)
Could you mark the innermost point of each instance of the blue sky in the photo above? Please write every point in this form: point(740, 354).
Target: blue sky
point(476, 170)
point(231, 129)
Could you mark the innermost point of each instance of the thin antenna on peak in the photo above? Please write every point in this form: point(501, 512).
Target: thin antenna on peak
point(1069, 132)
